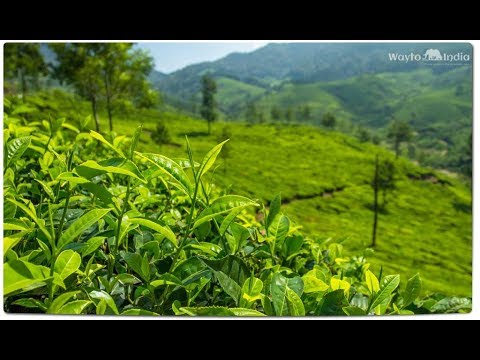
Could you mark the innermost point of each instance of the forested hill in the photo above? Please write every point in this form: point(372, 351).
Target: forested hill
point(304, 62)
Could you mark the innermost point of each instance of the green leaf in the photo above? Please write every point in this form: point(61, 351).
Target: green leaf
point(388, 286)
point(274, 210)
point(80, 225)
point(232, 266)
point(155, 226)
point(191, 267)
point(239, 237)
point(336, 284)
point(284, 302)
point(67, 263)
point(354, 311)
point(170, 168)
point(100, 138)
point(31, 303)
point(138, 312)
point(48, 190)
point(231, 273)
point(312, 283)
point(92, 245)
point(128, 279)
point(185, 163)
point(71, 127)
point(72, 178)
point(10, 242)
point(251, 291)
point(333, 303)
point(223, 205)
point(61, 300)
point(100, 192)
point(294, 303)
point(15, 149)
point(146, 267)
point(372, 282)
point(229, 286)
point(209, 159)
point(134, 143)
point(166, 279)
point(207, 311)
point(134, 261)
point(451, 305)
point(279, 228)
point(245, 312)
point(205, 248)
point(103, 296)
point(74, 307)
point(228, 220)
point(34, 217)
point(219, 311)
point(22, 275)
point(90, 168)
point(412, 291)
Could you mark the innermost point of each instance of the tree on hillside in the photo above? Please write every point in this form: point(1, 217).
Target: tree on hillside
point(207, 111)
point(399, 132)
point(110, 71)
point(363, 134)
point(275, 113)
point(251, 113)
point(304, 113)
point(124, 75)
point(383, 181)
point(25, 62)
point(289, 114)
point(78, 65)
point(329, 120)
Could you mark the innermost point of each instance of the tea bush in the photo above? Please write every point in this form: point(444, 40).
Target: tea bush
point(92, 226)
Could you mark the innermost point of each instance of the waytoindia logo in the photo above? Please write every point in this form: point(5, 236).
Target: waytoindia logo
point(432, 56)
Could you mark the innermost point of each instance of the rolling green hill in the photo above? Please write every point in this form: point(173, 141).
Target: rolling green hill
point(356, 82)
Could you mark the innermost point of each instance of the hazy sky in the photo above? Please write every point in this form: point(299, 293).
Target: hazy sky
point(172, 56)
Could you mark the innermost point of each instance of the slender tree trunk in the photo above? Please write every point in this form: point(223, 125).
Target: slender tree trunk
point(23, 84)
point(95, 114)
point(375, 204)
point(109, 111)
point(109, 104)
point(397, 148)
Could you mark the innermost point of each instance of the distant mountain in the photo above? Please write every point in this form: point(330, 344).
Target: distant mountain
point(360, 83)
point(304, 62)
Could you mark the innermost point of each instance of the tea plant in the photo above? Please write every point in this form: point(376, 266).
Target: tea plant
point(93, 226)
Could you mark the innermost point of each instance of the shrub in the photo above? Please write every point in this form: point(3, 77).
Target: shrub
point(161, 134)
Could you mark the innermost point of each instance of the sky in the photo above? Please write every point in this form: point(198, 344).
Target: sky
point(171, 56)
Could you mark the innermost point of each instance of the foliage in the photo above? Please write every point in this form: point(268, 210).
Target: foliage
point(399, 132)
point(113, 72)
point(329, 120)
point(135, 233)
point(161, 134)
point(209, 88)
point(25, 61)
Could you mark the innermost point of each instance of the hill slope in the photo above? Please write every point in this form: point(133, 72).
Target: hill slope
point(325, 179)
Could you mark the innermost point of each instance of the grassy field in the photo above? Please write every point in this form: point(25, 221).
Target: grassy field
point(324, 178)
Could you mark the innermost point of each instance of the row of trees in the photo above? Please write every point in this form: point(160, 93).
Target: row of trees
point(113, 74)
